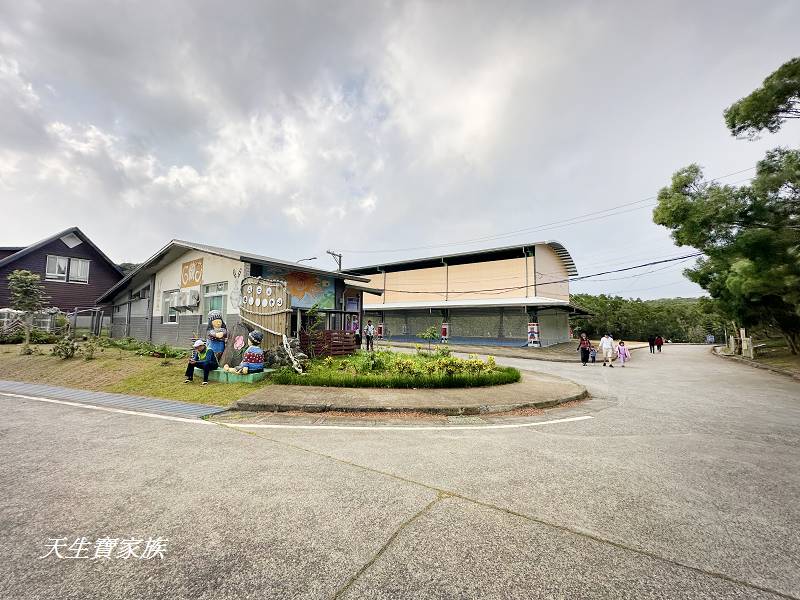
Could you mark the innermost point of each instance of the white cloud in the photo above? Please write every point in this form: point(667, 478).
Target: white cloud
point(291, 128)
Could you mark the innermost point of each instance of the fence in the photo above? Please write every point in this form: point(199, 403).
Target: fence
point(329, 342)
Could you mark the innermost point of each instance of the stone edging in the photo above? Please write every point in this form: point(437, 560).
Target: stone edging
point(755, 364)
point(451, 411)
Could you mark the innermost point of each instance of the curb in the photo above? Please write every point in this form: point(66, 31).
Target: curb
point(450, 411)
point(756, 365)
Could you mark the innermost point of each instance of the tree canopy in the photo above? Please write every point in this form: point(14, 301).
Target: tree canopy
point(770, 105)
point(676, 319)
point(750, 236)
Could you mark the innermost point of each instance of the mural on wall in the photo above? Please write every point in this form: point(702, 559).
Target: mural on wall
point(307, 289)
point(192, 273)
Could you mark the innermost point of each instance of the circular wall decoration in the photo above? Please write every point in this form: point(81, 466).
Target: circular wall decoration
point(258, 290)
point(280, 301)
point(258, 301)
point(272, 301)
point(269, 291)
point(250, 301)
point(249, 289)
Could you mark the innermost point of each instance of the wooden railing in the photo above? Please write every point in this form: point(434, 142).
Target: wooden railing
point(328, 342)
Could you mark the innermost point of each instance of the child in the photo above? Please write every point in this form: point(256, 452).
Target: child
point(202, 358)
point(593, 354)
point(623, 354)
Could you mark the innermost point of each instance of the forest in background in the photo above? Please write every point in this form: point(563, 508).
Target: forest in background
point(676, 319)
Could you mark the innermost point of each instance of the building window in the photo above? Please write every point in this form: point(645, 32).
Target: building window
point(78, 270)
point(169, 314)
point(56, 268)
point(214, 297)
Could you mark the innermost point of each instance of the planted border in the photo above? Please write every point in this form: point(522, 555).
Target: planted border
point(499, 376)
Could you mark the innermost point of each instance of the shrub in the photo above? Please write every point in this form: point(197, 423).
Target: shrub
point(442, 351)
point(90, 348)
point(500, 376)
point(65, 348)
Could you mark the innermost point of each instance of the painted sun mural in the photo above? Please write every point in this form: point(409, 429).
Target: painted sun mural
point(307, 289)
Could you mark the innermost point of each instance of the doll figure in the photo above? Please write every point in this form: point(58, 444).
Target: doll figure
point(216, 333)
point(253, 359)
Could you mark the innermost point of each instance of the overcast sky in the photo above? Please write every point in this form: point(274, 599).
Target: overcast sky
point(386, 130)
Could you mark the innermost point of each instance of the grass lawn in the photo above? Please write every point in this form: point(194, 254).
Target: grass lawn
point(121, 371)
point(779, 357)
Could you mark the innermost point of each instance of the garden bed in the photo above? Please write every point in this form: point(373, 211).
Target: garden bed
point(386, 369)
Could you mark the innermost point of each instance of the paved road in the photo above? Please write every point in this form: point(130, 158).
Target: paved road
point(683, 485)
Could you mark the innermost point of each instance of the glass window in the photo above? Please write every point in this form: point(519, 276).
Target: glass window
point(78, 270)
point(214, 295)
point(56, 268)
point(168, 313)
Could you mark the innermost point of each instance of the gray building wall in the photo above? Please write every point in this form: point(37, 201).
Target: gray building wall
point(504, 325)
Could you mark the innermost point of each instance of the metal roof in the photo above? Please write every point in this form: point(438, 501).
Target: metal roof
point(178, 247)
point(472, 256)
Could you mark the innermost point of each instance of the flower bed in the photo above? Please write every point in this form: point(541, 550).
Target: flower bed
point(387, 369)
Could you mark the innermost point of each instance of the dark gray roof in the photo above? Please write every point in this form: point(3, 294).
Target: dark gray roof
point(28, 249)
point(472, 256)
point(175, 246)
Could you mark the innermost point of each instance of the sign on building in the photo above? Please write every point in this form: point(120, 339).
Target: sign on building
point(192, 273)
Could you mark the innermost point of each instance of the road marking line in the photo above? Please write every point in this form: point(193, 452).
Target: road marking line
point(196, 421)
point(401, 427)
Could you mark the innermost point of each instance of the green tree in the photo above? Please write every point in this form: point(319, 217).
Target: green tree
point(430, 334)
point(27, 295)
point(128, 267)
point(770, 105)
point(750, 236)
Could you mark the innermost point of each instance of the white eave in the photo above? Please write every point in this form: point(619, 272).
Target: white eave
point(487, 303)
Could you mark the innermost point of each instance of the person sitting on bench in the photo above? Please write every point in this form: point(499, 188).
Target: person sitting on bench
point(202, 358)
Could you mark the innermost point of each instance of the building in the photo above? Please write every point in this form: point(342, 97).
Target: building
point(486, 297)
point(74, 271)
point(168, 297)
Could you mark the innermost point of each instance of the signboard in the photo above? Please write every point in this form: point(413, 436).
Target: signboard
point(192, 273)
point(533, 335)
point(445, 331)
point(710, 339)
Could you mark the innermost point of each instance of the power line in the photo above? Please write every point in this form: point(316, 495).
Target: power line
point(591, 216)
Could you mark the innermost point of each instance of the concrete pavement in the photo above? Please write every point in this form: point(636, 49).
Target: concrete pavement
point(684, 484)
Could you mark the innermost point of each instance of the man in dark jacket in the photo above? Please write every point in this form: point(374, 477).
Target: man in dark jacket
point(202, 358)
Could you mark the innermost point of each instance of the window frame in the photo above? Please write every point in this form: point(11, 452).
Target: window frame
point(54, 276)
point(69, 272)
point(166, 307)
point(204, 300)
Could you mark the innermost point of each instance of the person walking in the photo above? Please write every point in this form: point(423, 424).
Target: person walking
point(623, 354)
point(202, 358)
point(659, 342)
point(652, 341)
point(584, 347)
point(369, 335)
point(593, 354)
point(607, 348)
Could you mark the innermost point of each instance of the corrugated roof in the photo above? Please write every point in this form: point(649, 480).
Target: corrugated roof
point(237, 255)
point(557, 247)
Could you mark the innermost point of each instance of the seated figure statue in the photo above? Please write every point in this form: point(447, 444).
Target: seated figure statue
point(253, 359)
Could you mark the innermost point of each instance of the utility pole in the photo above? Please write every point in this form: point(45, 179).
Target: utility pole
point(336, 256)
